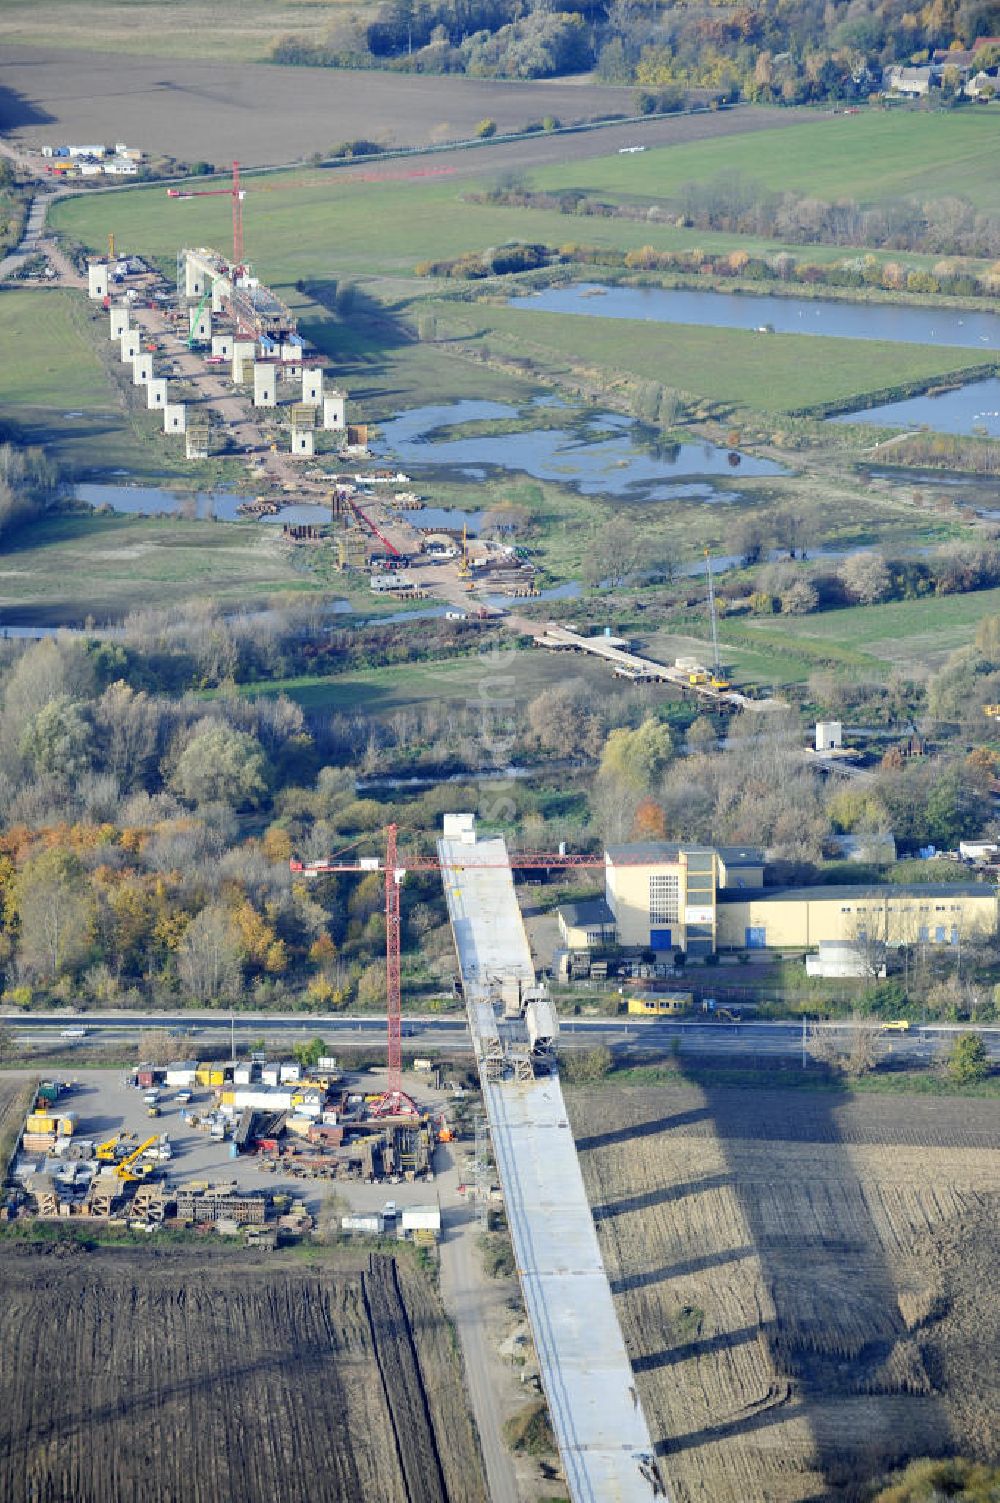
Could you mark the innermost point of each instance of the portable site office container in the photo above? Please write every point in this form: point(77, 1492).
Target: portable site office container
point(181, 1073)
point(368, 1226)
point(421, 1219)
point(261, 1099)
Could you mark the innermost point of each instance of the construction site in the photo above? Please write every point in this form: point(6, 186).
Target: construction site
point(219, 355)
point(188, 1145)
point(225, 1145)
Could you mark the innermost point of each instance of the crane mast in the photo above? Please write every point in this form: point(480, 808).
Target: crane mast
point(716, 665)
point(394, 1007)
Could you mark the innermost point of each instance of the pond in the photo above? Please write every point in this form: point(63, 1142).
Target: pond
point(223, 506)
point(896, 323)
point(602, 456)
point(972, 408)
point(451, 518)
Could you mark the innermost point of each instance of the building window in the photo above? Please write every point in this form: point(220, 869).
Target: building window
point(664, 900)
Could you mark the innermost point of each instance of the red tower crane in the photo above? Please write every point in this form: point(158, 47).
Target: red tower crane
point(395, 1099)
point(236, 193)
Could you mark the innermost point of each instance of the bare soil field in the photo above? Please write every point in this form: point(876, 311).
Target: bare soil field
point(166, 1373)
point(264, 114)
point(805, 1280)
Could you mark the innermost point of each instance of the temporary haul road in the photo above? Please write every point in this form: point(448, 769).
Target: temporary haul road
point(603, 1438)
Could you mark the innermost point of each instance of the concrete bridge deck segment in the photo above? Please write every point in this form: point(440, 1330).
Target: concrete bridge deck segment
point(603, 1437)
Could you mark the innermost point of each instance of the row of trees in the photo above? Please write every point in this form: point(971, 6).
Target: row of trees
point(951, 228)
point(867, 578)
point(774, 52)
point(947, 225)
point(483, 38)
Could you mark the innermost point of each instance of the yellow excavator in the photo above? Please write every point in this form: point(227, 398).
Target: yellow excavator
point(133, 1167)
point(114, 1149)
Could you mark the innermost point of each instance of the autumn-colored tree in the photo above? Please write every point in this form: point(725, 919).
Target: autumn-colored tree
point(322, 951)
point(650, 821)
point(256, 936)
point(276, 844)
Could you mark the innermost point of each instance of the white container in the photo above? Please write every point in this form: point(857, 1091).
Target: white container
point(261, 1099)
point(367, 1225)
point(421, 1219)
point(181, 1073)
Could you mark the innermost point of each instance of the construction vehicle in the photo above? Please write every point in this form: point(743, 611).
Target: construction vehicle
point(698, 678)
point(114, 1149)
point(134, 1167)
point(153, 1111)
point(721, 1014)
point(717, 679)
point(993, 711)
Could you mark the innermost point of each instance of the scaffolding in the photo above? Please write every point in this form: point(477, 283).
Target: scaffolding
point(483, 1169)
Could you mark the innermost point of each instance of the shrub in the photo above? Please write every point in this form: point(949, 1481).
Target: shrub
point(968, 1060)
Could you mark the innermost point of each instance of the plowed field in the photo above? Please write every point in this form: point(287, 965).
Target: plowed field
point(155, 1375)
point(805, 1282)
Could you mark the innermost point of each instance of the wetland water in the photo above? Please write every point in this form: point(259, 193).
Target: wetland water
point(896, 323)
point(603, 455)
point(968, 409)
point(221, 506)
point(975, 407)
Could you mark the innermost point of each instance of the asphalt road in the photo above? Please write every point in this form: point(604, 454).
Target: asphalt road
point(760, 1039)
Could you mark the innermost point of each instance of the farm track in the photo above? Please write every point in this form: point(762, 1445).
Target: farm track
point(404, 1390)
point(803, 1280)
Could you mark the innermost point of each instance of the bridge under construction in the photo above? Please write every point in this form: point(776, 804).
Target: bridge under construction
point(589, 1384)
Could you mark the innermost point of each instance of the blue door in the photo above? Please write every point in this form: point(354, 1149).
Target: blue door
point(939, 934)
point(660, 939)
point(755, 937)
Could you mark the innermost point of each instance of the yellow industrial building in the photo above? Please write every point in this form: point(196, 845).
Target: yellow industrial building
point(702, 899)
point(664, 897)
point(800, 918)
